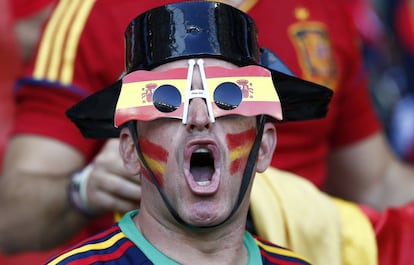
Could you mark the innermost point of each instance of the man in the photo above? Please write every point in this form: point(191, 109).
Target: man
point(195, 188)
point(46, 150)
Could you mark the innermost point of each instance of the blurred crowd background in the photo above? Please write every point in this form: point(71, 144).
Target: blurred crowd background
point(20, 26)
point(387, 34)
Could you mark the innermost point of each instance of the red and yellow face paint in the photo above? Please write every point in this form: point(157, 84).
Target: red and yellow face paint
point(156, 158)
point(239, 145)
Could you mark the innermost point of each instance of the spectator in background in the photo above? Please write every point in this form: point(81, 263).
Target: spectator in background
point(20, 27)
point(386, 33)
point(401, 130)
point(9, 65)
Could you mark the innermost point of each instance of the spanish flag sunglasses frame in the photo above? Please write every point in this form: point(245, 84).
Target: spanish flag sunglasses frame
point(148, 95)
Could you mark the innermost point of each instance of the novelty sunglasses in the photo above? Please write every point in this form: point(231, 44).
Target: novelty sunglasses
point(247, 91)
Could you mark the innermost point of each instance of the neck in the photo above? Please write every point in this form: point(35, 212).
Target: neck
point(222, 245)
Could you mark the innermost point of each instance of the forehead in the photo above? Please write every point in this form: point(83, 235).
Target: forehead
point(184, 63)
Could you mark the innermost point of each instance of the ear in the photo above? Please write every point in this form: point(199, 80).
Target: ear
point(128, 152)
point(267, 147)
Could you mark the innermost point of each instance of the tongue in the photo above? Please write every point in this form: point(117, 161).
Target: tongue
point(202, 174)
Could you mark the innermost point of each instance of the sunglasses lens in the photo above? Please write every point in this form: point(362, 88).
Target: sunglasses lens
point(228, 96)
point(166, 98)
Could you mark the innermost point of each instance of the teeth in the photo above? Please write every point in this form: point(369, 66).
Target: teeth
point(203, 183)
point(201, 150)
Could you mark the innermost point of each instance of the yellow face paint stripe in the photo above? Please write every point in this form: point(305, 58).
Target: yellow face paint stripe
point(101, 245)
point(239, 152)
point(155, 166)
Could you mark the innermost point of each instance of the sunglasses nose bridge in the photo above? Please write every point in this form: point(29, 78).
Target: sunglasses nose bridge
point(196, 79)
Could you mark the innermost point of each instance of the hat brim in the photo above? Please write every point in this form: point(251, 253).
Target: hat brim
point(94, 115)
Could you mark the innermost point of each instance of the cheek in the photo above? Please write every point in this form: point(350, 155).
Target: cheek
point(156, 157)
point(239, 145)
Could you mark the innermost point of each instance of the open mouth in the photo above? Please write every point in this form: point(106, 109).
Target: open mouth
point(202, 166)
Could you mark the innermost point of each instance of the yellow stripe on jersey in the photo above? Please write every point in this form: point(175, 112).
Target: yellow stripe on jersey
point(101, 245)
point(279, 251)
point(73, 40)
point(54, 54)
point(60, 36)
point(46, 42)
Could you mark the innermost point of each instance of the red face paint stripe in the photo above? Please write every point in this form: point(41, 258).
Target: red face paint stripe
point(153, 151)
point(155, 156)
point(238, 139)
point(146, 175)
point(237, 164)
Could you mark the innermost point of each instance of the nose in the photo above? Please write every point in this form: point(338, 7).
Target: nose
point(198, 118)
point(199, 108)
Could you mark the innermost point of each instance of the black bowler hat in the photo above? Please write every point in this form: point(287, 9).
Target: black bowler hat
point(196, 30)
